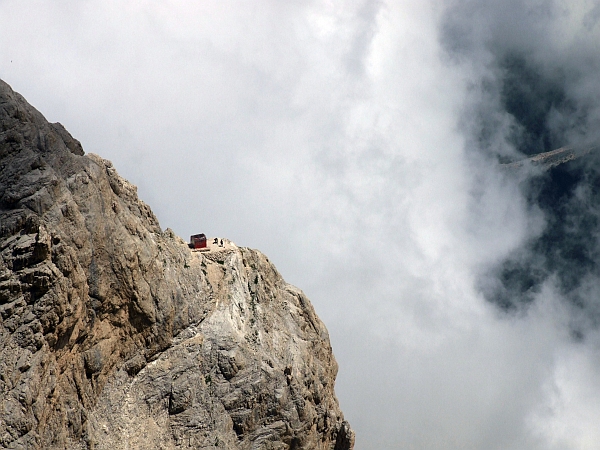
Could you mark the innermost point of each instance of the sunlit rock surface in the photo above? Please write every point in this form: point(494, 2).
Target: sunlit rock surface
point(548, 160)
point(114, 334)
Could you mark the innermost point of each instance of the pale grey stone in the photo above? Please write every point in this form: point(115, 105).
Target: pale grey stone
point(114, 334)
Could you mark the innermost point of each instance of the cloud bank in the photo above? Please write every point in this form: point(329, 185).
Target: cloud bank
point(536, 90)
point(357, 145)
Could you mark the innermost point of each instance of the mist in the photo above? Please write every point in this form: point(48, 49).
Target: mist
point(359, 145)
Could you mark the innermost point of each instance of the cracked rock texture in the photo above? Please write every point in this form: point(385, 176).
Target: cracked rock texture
point(114, 334)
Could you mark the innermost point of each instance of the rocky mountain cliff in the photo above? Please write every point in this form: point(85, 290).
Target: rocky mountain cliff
point(114, 334)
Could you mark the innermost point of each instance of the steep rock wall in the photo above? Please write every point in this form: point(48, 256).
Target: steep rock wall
point(113, 334)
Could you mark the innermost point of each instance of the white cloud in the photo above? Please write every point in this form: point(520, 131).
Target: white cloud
point(326, 134)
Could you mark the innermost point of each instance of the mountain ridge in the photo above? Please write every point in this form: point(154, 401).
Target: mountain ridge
point(553, 158)
point(114, 334)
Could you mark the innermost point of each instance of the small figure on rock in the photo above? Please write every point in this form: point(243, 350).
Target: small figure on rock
point(221, 245)
point(216, 241)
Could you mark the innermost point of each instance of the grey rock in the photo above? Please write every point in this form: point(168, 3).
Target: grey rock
point(548, 160)
point(114, 334)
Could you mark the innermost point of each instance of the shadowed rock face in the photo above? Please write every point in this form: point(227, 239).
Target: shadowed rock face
point(563, 186)
point(113, 334)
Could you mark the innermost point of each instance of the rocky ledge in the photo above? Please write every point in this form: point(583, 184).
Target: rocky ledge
point(114, 334)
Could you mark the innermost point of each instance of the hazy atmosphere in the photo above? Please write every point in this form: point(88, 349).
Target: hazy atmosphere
point(358, 145)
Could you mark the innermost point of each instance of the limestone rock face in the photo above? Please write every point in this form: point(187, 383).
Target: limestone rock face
point(114, 334)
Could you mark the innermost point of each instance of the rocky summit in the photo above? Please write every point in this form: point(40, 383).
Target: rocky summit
point(114, 334)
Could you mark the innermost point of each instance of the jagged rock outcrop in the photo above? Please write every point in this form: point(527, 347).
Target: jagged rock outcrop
point(114, 334)
point(548, 160)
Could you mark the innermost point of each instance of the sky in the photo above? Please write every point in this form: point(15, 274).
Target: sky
point(358, 144)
